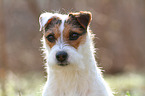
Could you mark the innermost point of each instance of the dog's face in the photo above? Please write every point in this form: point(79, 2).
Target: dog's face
point(63, 35)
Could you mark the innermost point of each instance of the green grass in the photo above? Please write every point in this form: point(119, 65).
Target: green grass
point(24, 84)
point(128, 84)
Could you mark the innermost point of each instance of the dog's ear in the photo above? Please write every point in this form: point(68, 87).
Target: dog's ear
point(83, 17)
point(45, 19)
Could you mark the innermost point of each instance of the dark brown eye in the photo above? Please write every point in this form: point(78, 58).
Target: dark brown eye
point(50, 38)
point(73, 36)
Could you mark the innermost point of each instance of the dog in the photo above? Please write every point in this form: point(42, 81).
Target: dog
point(69, 55)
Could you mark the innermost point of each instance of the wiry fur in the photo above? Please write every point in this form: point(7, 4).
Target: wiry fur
point(81, 77)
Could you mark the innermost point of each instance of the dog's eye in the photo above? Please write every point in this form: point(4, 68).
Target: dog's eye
point(50, 38)
point(74, 36)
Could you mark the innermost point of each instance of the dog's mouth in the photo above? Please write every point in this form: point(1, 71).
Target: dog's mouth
point(63, 64)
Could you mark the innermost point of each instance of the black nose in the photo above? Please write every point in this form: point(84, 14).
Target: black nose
point(61, 56)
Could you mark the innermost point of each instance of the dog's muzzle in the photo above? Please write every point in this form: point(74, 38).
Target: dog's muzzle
point(61, 57)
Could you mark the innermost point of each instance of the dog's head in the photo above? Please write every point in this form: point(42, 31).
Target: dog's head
point(64, 36)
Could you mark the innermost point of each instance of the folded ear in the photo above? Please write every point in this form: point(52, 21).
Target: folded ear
point(44, 19)
point(83, 17)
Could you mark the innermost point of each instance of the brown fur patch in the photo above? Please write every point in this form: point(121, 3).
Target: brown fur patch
point(52, 27)
point(52, 22)
point(54, 30)
point(66, 34)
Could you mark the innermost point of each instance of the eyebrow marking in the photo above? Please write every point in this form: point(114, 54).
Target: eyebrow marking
point(52, 22)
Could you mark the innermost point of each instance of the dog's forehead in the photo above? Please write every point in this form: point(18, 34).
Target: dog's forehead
point(45, 17)
point(63, 19)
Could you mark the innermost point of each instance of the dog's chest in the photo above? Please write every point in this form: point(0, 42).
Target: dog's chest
point(73, 85)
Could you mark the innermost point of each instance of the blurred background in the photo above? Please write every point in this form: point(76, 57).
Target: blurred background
point(119, 26)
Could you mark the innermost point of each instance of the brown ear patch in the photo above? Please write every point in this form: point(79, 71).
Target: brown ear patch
point(83, 17)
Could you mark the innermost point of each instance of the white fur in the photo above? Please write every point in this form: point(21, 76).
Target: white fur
point(81, 77)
